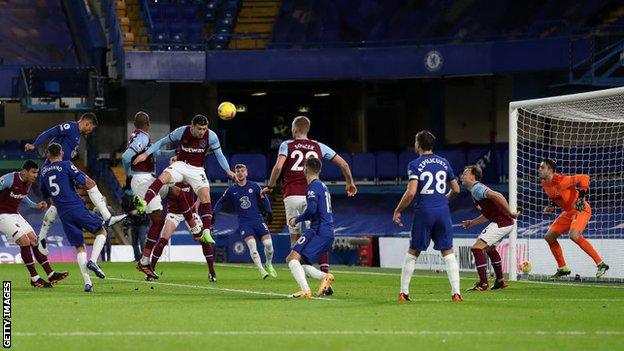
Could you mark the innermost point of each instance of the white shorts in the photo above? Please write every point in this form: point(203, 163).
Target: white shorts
point(194, 176)
point(295, 205)
point(14, 225)
point(140, 183)
point(492, 234)
point(176, 219)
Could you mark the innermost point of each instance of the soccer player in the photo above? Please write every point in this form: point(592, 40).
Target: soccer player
point(495, 209)
point(318, 239)
point(142, 177)
point(14, 189)
point(67, 134)
point(245, 196)
point(195, 141)
point(58, 181)
point(428, 177)
point(562, 191)
point(291, 157)
point(174, 217)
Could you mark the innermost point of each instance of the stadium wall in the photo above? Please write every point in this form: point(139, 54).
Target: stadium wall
point(19, 125)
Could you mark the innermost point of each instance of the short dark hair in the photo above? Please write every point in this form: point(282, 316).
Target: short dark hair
point(199, 120)
point(314, 164)
point(550, 163)
point(30, 164)
point(91, 117)
point(141, 120)
point(476, 171)
point(240, 165)
point(425, 140)
point(54, 149)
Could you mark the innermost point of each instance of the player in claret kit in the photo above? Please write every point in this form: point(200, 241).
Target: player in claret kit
point(495, 209)
point(195, 141)
point(428, 177)
point(318, 239)
point(14, 189)
point(562, 191)
point(141, 175)
point(245, 196)
point(59, 180)
point(175, 216)
point(291, 157)
point(67, 135)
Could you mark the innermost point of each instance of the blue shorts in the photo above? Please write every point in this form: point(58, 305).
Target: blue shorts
point(75, 221)
point(432, 224)
point(311, 245)
point(257, 229)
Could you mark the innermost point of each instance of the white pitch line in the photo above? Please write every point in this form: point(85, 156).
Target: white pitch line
point(580, 285)
point(240, 291)
point(325, 333)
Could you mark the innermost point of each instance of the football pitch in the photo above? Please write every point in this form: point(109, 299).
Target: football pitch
point(182, 311)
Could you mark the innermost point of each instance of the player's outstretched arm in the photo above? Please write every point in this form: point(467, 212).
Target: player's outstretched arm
point(174, 136)
point(455, 190)
point(346, 171)
point(500, 199)
point(405, 201)
point(475, 221)
point(215, 147)
point(275, 173)
point(43, 137)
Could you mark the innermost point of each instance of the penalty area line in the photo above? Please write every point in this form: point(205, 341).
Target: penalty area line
point(232, 290)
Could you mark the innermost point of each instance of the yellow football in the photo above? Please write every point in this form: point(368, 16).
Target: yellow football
point(226, 110)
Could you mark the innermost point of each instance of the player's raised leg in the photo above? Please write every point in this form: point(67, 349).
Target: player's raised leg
point(48, 219)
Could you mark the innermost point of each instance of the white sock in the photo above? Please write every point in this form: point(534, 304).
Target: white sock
point(81, 258)
point(98, 200)
point(35, 278)
point(253, 252)
point(312, 272)
point(145, 260)
point(452, 270)
point(48, 218)
point(268, 250)
point(98, 245)
point(407, 271)
point(298, 274)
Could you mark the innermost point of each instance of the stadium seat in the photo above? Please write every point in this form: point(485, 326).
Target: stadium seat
point(364, 165)
point(386, 165)
point(457, 158)
point(405, 158)
point(214, 172)
point(189, 12)
point(171, 11)
point(256, 165)
point(331, 171)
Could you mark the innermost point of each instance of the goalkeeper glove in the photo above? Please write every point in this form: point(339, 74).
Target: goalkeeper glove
point(580, 201)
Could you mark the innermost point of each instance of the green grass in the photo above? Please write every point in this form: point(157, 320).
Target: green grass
point(182, 311)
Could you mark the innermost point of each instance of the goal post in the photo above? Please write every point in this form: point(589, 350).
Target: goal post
point(583, 133)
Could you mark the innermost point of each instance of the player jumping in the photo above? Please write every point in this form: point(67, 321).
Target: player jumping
point(245, 197)
point(495, 209)
point(292, 154)
point(141, 174)
point(58, 181)
point(428, 177)
point(14, 189)
point(67, 135)
point(318, 239)
point(195, 141)
point(175, 216)
point(562, 191)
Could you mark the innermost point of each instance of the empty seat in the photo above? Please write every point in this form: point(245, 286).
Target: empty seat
point(189, 12)
point(363, 165)
point(457, 159)
point(214, 170)
point(331, 171)
point(256, 165)
point(386, 165)
point(405, 158)
point(171, 11)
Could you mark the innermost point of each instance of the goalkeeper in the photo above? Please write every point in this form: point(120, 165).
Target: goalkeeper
point(562, 191)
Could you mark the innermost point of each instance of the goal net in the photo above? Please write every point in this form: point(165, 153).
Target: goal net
point(583, 133)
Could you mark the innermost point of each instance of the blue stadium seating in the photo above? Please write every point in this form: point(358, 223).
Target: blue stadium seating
point(331, 171)
point(405, 158)
point(364, 165)
point(256, 165)
point(214, 172)
point(386, 165)
point(457, 158)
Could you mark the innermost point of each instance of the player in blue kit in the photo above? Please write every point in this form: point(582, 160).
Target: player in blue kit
point(318, 239)
point(429, 177)
point(58, 181)
point(67, 135)
point(245, 196)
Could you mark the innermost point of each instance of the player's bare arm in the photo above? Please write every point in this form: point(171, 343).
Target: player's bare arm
point(350, 188)
point(455, 189)
point(275, 173)
point(406, 200)
point(475, 221)
point(500, 199)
